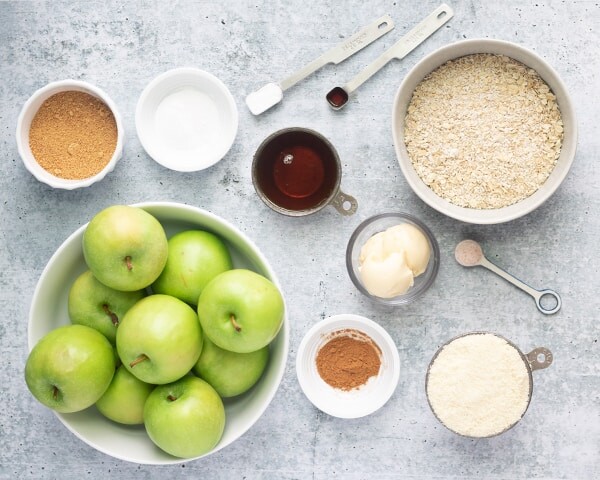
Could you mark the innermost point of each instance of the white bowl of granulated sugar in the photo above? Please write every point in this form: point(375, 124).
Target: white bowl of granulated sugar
point(484, 130)
point(186, 119)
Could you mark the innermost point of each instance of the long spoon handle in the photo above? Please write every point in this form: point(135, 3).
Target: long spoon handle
point(341, 52)
point(404, 46)
point(536, 294)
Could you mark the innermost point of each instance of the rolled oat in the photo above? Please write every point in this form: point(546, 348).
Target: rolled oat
point(483, 131)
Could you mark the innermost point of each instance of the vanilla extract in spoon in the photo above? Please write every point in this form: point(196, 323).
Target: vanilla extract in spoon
point(339, 96)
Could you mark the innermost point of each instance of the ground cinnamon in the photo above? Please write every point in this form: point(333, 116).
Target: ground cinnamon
point(348, 359)
point(73, 135)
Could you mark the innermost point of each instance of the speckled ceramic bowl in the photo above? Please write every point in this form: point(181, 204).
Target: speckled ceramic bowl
point(467, 47)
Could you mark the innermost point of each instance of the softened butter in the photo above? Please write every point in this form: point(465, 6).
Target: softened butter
point(390, 260)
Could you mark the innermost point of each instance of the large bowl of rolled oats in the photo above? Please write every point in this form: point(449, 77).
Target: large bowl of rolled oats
point(484, 130)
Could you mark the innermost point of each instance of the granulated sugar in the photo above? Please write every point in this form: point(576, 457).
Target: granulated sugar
point(478, 385)
point(483, 131)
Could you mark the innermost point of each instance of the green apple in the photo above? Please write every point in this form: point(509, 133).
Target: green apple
point(70, 368)
point(185, 418)
point(195, 258)
point(124, 399)
point(240, 310)
point(94, 304)
point(125, 247)
point(159, 339)
point(230, 373)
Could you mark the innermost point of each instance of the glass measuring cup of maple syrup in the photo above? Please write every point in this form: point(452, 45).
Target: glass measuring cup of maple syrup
point(297, 171)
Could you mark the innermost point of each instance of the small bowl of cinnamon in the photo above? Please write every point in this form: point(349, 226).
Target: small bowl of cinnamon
point(348, 366)
point(69, 134)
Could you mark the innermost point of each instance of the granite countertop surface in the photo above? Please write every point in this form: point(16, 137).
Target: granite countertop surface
point(120, 46)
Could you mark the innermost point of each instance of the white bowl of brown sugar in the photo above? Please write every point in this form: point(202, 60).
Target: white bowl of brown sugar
point(484, 130)
point(69, 134)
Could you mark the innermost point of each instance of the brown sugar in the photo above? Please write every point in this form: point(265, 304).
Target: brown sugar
point(73, 135)
point(348, 360)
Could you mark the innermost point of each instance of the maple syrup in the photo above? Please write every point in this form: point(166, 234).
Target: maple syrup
point(297, 170)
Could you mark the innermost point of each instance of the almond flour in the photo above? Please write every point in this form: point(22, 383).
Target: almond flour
point(478, 385)
point(483, 131)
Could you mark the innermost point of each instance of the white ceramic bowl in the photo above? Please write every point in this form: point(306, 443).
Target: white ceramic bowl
point(380, 223)
point(27, 114)
point(49, 310)
point(521, 54)
point(186, 119)
point(353, 403)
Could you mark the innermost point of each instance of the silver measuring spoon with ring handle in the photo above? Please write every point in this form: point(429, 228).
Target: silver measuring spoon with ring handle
point(469, 253)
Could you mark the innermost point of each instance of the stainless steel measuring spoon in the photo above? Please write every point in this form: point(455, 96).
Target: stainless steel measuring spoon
point(338, 96)
point(470, 254)
point(272, 93)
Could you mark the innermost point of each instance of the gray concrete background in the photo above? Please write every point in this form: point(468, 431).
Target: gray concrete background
point(120, 46)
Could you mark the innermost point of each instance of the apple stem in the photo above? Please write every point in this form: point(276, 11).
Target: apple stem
point(236, 325)
point(128, 263)
point(113, 316)
point(55, 392)
point(171, 398)
point(139, 359)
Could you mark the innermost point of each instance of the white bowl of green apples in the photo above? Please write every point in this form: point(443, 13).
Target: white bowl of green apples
point(158, 333)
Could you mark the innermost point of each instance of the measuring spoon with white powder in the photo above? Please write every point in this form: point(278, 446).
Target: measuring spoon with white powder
point(470, 254)
point(272, 93)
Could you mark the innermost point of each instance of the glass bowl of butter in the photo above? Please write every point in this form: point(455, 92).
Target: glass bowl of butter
point(392, 258)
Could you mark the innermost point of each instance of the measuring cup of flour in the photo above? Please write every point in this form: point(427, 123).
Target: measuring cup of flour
point(480, 384)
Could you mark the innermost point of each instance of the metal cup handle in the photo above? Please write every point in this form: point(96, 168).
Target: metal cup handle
point(344, 203)
point(539, 358)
